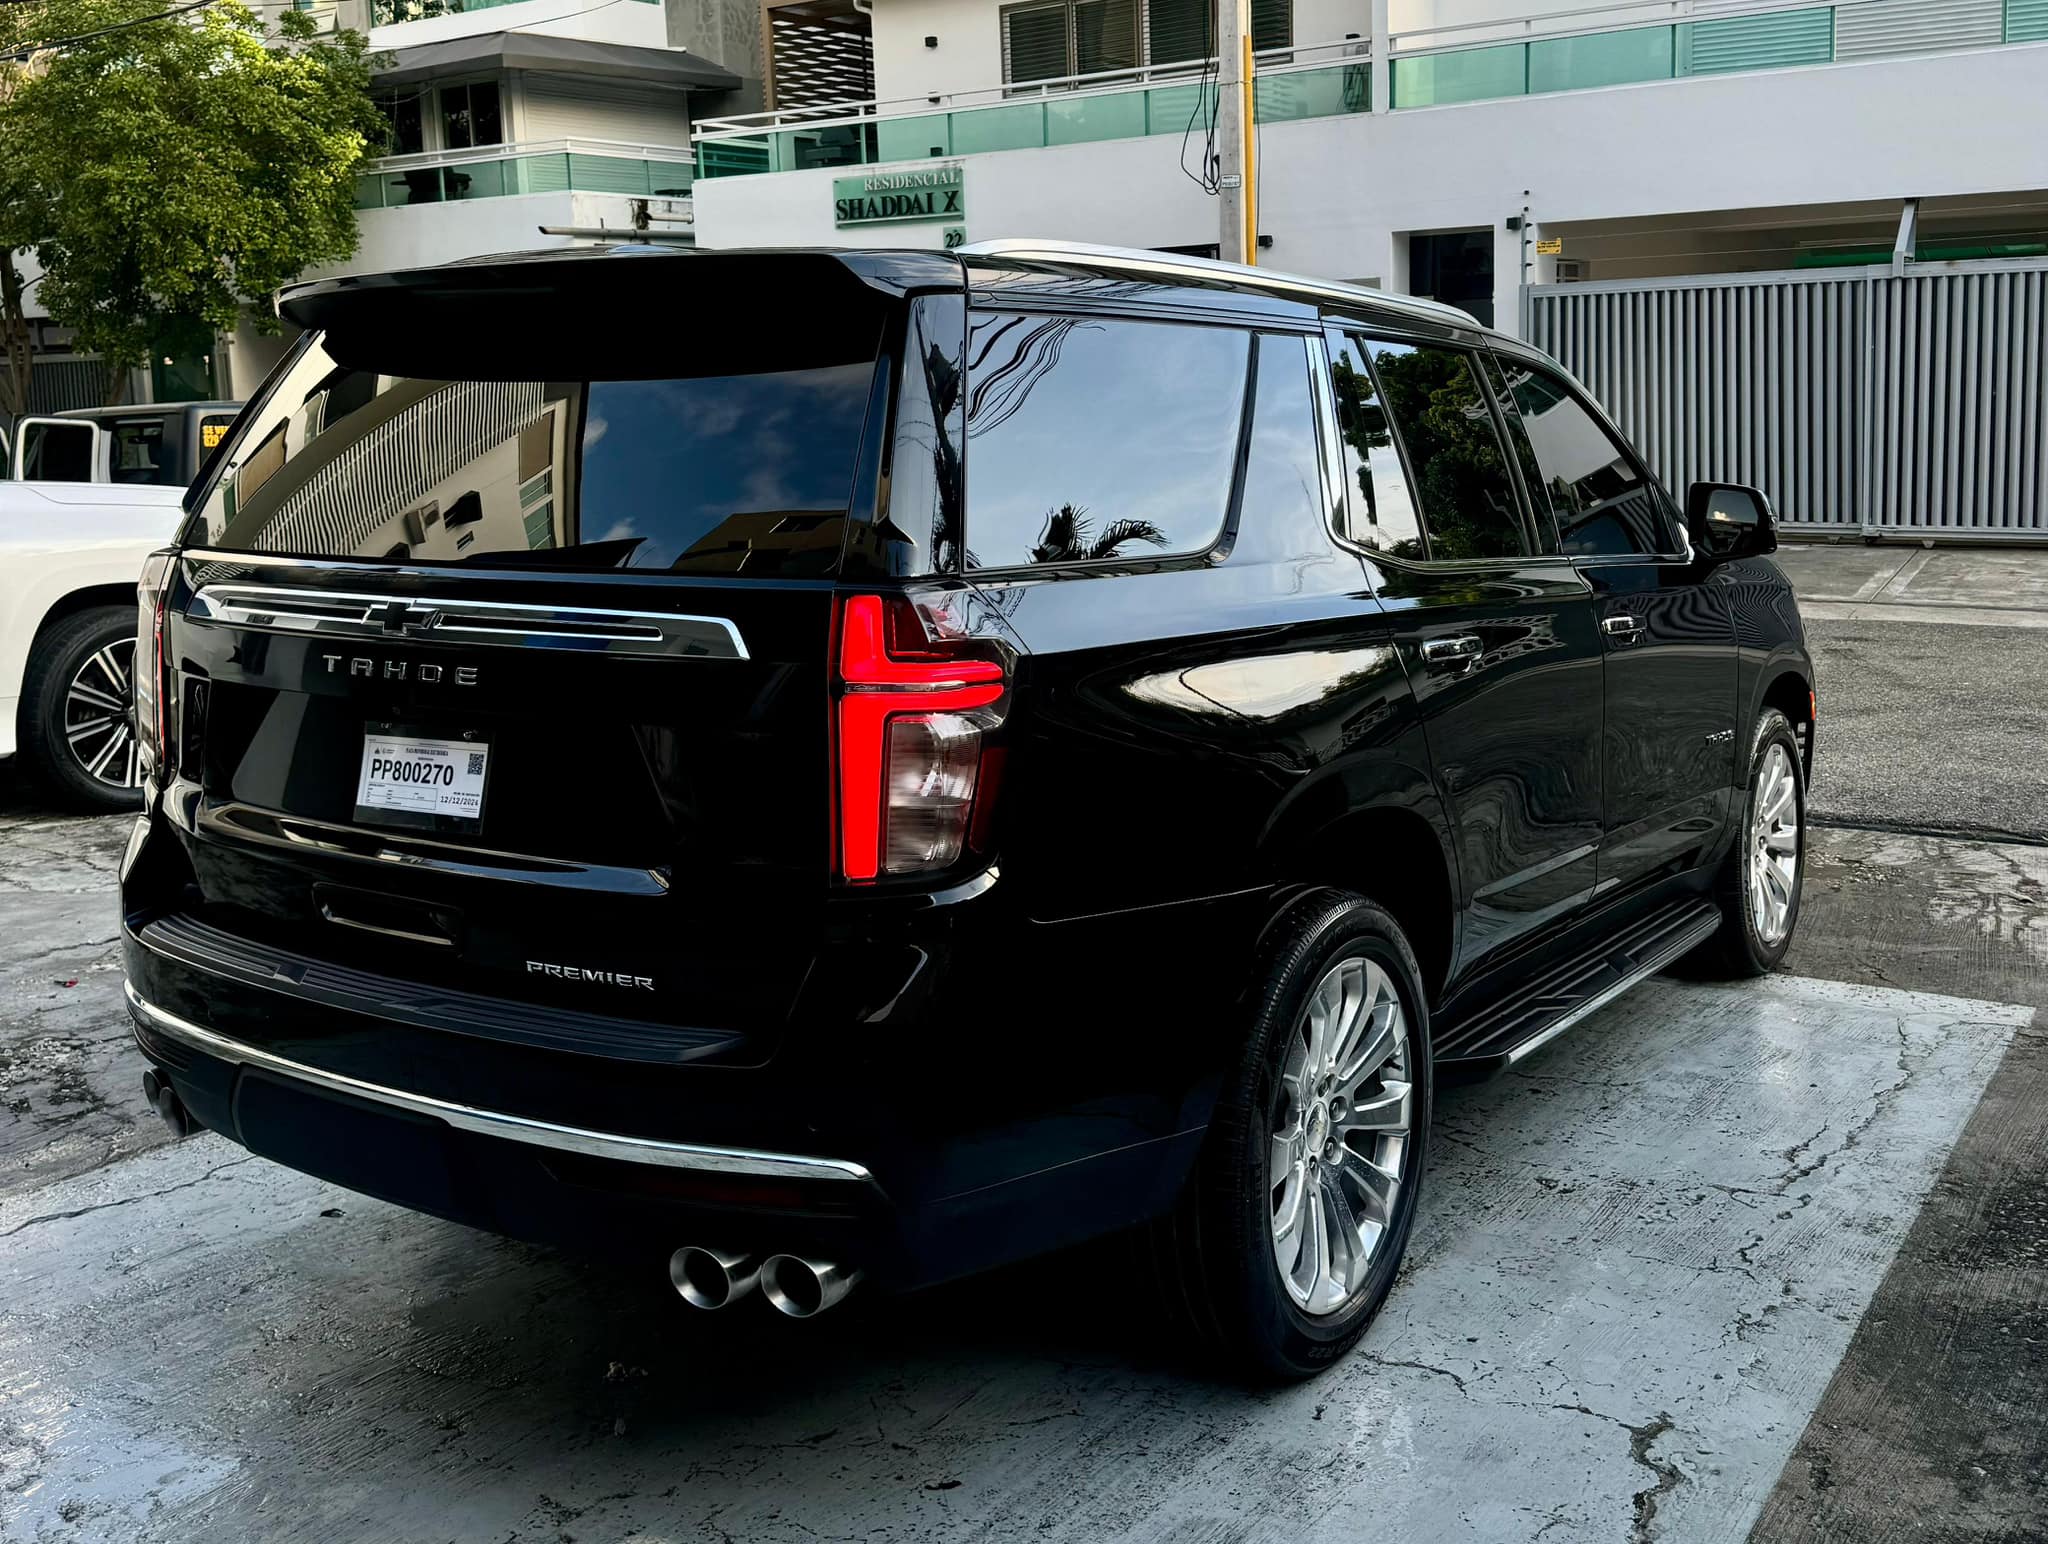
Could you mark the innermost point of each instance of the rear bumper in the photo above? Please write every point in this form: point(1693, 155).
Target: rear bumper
point(987, 1121)
point(498, 1124)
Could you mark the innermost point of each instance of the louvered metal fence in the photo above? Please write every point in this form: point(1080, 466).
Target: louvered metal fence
point(1861, 400)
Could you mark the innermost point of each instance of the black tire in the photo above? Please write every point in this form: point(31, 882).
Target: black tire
point(53, 664)
point(1215, 1254)
point(1738, 950)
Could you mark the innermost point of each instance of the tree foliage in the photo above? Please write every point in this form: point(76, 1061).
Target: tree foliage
point(169, 173)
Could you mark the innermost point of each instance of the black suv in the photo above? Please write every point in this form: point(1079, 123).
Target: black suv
point(836, 764)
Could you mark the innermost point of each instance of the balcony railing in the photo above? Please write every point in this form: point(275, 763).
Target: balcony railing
point(539, 166)
point(1619, 43)
point(1314, 81)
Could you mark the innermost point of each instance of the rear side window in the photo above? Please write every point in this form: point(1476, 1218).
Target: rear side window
point(142, 453)
point(1445, 424)
point(1091, 438)
point(746, 474)
point(1603, 505)
point(1379, 506)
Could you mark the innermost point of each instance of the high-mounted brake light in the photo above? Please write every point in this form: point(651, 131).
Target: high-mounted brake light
point(150, 668)
point(910, 717)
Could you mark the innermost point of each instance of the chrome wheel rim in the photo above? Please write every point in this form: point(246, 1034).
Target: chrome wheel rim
point(1774, 846)
point(1338, 1152)
point(99, 716)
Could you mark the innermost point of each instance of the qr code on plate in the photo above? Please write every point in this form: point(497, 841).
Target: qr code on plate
point(476, 763)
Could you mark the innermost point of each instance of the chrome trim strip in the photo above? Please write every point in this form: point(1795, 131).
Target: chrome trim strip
point(1698, 933)
point(496, 1123)
point(425, 617)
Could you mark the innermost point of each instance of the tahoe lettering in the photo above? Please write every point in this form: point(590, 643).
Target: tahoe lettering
point(400, 670)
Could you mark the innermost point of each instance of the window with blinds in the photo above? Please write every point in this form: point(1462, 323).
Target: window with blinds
point(1074, 37)
point(1178, 30)
point(1037, 42)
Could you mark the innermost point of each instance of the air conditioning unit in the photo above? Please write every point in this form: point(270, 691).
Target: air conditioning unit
point(1571, 269)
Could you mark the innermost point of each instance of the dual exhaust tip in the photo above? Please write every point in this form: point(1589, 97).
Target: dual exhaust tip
point(800, 1288)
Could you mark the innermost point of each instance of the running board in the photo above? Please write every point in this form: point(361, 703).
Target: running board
point(1504, 1032)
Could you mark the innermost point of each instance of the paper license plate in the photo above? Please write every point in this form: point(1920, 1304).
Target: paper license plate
point(414, 778)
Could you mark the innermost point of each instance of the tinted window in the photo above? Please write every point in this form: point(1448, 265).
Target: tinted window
point(140, 454)
point(404, 133)
point(1461, 476)
point(56, 452)
point(1520, 448)
point(1283, 476)
point(731, 474)
point(1603, 505)
point(924, 475)
point(469, 115)
point(1379, 509)
point(1090, 438)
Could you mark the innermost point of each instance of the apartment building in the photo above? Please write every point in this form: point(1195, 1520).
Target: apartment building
point(517, 124)
point(1815, 219)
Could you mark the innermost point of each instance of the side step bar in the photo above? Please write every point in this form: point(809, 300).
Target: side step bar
point(1502, 1033)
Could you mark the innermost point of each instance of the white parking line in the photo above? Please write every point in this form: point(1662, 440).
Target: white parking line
point(1641, 1257)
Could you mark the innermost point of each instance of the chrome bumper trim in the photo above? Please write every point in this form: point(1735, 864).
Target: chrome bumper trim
point(496, 1123)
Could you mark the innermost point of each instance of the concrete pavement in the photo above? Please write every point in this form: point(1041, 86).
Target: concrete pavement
point(1932, 675)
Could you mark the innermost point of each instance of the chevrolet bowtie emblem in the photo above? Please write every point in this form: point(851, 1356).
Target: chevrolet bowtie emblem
point(401, 619)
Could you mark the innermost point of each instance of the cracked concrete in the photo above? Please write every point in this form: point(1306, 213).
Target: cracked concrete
point(67, 1064)
point(1641, 1260)
point(197, 1345)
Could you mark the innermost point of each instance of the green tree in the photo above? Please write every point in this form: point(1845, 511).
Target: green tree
point(167, 171)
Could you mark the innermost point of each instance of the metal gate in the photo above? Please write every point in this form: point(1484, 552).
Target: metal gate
point(1862, 401)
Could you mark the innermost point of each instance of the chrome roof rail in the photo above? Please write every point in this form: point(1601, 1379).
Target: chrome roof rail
point(1170, 266)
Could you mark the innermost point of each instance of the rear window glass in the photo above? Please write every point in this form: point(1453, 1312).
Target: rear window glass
point(747, 474)
point(1091, 439)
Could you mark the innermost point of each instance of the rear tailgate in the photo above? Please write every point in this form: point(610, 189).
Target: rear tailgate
point(647, 764)
point(500, 648)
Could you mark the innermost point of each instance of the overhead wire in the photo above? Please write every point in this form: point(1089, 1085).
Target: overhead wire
point(30, 50)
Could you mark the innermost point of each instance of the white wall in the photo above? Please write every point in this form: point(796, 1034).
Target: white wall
point(420, 235)
point(572, 107)
point(624, 21)
point(969, 56)
point(1338, 192)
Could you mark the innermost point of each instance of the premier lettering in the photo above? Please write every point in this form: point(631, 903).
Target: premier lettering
point(585, 973)
point(400, 670)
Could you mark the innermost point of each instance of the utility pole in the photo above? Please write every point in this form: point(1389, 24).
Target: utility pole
point(1236, 155)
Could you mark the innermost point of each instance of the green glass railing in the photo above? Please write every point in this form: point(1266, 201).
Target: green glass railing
point(1032, 125)
point(549, 172)
point(1771, 40)
point(1764, 40)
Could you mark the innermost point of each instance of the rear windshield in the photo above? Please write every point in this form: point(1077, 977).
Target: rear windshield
point(747, 474)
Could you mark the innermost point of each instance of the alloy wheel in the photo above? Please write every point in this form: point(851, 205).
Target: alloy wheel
point(99, 721)
point(1774, 846)
point(1338, 1153)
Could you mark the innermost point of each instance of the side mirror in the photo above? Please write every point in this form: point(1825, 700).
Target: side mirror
point(1727, 521)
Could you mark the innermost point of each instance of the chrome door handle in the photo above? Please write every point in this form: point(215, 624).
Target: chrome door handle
point(1621, 626)
point(1452, 651)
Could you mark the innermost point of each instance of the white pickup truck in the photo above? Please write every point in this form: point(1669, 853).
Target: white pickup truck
point(70, 553)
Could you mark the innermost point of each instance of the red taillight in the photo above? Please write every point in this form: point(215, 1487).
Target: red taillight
point(911, 714)
point(151, 669)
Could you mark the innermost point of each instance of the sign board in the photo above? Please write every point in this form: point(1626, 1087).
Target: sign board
point(1549, 246)
point(900, 198)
